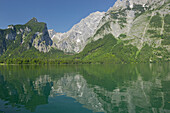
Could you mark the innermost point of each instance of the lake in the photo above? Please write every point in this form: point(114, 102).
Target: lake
point(125, 88)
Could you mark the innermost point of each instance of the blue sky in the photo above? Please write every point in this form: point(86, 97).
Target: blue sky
point(59, 15)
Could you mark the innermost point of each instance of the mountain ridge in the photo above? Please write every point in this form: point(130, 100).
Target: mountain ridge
point(23, 37)
point(123, 23)
point(131, 31)
point(142, 29)
point(76, 38)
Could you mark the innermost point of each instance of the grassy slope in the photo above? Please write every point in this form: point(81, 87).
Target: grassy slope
point(166, 37)
point(108, 50)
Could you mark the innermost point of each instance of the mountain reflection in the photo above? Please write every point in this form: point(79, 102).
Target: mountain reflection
point(101, 88)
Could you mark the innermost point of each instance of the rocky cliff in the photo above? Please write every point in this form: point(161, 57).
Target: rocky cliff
point(135, 22)
point(131, 31)
point(77, 37)
point(23, 37)
point(138, 23)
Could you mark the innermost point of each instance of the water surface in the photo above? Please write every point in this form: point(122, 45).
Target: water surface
point(133, 88)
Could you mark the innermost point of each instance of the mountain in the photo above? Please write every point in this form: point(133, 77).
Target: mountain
point(141, 21)
point(28, 43)
point(132, 31)
point(22, 43)
point(19, 38)
point(77, 37)
point(51, 33)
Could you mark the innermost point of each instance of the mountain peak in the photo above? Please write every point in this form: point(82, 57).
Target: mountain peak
point(33, 20)
point(122, 4)
point(77, 37)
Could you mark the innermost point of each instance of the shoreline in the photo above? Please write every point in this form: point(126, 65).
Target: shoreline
point(4, 64)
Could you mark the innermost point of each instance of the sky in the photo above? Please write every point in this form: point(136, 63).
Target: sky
point(59, 15)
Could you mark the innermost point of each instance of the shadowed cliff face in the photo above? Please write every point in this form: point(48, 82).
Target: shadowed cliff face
point(21, 38)
point(109, 88)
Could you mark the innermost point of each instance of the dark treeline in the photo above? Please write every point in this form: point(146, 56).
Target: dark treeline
point(45, 61)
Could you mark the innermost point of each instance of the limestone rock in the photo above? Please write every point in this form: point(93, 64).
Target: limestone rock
point(75, 39)
point(133, 18)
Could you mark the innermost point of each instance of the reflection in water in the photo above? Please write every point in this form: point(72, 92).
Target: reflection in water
point(100, 88)
point(75, 86)
point(24, 91)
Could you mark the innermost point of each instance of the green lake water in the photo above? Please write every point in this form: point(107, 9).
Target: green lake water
point(125, 88)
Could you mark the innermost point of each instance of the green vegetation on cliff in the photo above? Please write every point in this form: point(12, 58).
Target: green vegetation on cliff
point(20, 43)
point(17, 43)
point(107, 50)
point(156, 21)
point(166, 40)
point(111, 50)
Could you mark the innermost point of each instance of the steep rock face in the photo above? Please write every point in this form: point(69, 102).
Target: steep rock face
point(51, 33)
point(132, 21)
point(76, 39)
point(135, 19)
point(131, 3)
point(2, 43)
point(23, 37)
point(40, 39)
point(126, 15)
